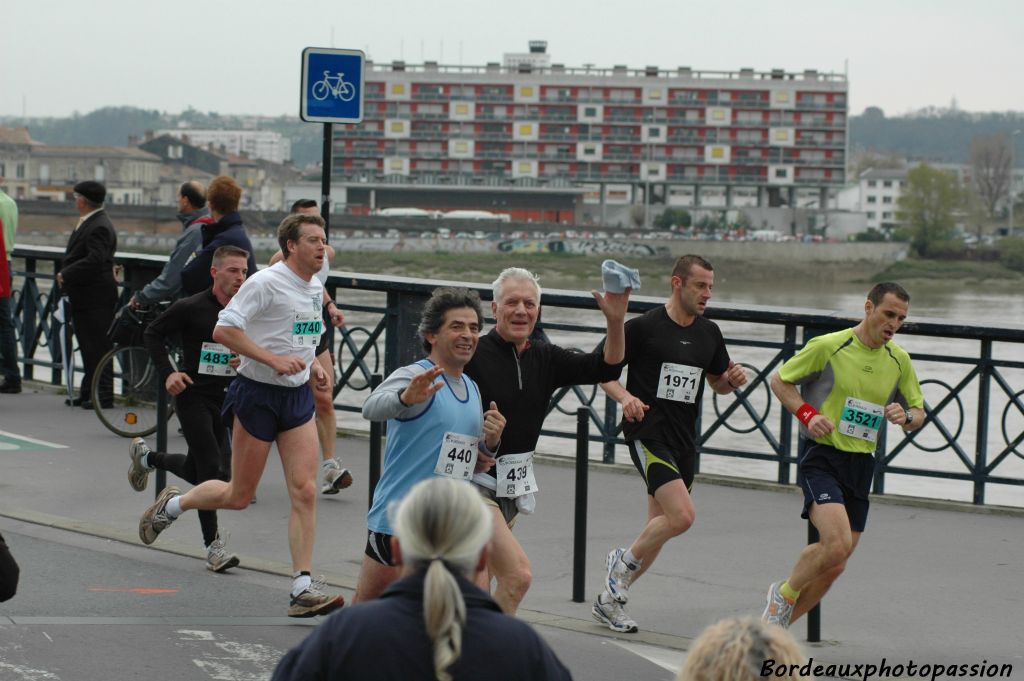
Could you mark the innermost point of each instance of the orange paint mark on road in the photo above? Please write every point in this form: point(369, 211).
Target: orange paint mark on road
point(131, 590)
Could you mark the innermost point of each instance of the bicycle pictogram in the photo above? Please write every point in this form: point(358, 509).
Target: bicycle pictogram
point(333, 85)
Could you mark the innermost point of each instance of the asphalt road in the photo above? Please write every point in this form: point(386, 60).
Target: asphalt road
point(94, 609)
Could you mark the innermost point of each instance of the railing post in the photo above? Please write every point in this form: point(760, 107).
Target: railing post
point(29, 312)
point(579, 540)
point(814, 615)
point(610, 419)
point(981, 438)
point(786, 419)
point(880, 449)
point(161, 435)
point(376, 435)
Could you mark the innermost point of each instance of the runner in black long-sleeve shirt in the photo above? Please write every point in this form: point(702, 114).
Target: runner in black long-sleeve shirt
point(199, 387)
point(520, 377)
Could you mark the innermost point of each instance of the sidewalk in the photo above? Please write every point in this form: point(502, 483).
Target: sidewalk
point(926, 584)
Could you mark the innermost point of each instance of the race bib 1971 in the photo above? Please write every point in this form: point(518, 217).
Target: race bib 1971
point(678, 382)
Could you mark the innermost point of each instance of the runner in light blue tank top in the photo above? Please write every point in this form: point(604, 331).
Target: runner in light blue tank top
point(414, 444)
point(436, 423)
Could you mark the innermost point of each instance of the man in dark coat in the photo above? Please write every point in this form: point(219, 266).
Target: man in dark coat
point(86, 277)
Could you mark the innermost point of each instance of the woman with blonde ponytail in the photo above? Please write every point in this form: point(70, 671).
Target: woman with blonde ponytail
point(433, 623)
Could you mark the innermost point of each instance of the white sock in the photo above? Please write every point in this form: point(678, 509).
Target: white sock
point(300, 583)
point(173, 507)
point(630, 560)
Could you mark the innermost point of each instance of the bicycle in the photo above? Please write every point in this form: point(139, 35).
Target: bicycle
point(129, 409)
point(333, 85)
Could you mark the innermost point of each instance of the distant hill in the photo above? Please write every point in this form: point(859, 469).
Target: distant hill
point(939, 135)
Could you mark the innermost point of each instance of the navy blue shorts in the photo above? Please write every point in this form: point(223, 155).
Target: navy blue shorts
point(830, 476)
point(265, 410)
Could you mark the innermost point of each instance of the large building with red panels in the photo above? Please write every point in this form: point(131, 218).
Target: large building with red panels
point(618, 134)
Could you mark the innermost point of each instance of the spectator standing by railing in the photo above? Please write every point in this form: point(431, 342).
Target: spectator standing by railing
point(223, 196)
point(8, 347)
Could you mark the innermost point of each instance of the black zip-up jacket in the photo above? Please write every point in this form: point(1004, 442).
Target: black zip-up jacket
point(385, 640)
point(522, 385)
point(228, 231)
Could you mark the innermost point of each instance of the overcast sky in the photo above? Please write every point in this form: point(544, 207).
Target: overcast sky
point(230, 56)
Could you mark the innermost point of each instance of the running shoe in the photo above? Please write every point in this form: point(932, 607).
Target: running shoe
point(619, 575)
point(313, 601)
point(779, 610)
point(336, 478)
point(138, 474)
point(608, 611)
point(217, 557)
point(155, 519)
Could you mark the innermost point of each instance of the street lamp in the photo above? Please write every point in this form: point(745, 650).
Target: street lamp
point(1009, 184)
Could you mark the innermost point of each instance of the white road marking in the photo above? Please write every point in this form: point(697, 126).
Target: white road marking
point(26, 673)
point(666, 658)
point(233, 661)
point(34, 441)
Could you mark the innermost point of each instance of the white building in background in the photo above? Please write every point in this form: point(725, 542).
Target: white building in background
point(262, 144)
point(880, 196)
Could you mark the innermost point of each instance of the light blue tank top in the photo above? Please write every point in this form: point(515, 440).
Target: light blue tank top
point(413, 445)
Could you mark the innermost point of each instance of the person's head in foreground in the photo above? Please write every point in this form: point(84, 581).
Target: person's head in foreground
point(742, 649)
point(442, 526)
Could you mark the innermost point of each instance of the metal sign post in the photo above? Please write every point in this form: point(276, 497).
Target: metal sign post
point(332, 92)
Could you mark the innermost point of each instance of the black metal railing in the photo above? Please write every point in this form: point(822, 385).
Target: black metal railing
point(749, 425)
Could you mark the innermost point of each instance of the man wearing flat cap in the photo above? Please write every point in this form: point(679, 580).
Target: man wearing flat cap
point(86, 277)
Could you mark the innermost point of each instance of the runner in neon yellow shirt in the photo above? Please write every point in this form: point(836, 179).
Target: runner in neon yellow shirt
point(853, 382)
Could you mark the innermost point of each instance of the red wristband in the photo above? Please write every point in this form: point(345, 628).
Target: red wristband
point(805, 413)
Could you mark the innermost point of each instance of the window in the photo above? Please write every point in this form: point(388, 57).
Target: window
point(887, 183)
point(19, 171)
point(44, 173)
point(871, 215)
point(887, 216)
point(872, 183)
point(100, 172)
point(781, 173)
point(590, 111)
point(872, 199)
point(886, 199)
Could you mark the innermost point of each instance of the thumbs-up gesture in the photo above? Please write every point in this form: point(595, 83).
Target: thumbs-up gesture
point(494, 424)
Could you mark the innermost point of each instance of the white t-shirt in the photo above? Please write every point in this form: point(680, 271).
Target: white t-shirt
point(276, 309)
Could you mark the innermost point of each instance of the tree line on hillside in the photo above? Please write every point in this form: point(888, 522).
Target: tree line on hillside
point(114, 125)
point(936, 135)
point(931, 134)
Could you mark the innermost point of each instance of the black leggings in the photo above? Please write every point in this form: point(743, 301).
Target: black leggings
point(209, 450)
point(8, 573)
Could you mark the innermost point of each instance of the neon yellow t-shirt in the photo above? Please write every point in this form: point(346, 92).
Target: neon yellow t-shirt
point(848, 381)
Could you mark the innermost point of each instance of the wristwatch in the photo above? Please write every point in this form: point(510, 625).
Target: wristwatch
point(910, 417)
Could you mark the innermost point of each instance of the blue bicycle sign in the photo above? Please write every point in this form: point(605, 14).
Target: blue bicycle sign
point(332, 85)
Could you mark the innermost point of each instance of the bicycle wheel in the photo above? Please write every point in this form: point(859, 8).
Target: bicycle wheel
point(320, 90)
point(127, 406)
point(346, 92)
